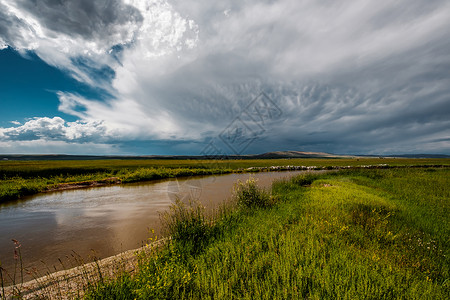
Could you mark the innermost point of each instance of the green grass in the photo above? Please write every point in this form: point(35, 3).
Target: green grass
point(358, 234)
point(248, 195)
point(30, 169)
point(21, 178)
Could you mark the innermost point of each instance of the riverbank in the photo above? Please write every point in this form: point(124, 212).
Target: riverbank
point(73, 282)
point(356, 234)
point(22, 178)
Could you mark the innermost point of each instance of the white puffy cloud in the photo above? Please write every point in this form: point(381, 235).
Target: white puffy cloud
point(55, 129)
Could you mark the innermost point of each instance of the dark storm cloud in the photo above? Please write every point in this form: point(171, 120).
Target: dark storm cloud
point(89, 19)
point(9, 25)
point(348, 76)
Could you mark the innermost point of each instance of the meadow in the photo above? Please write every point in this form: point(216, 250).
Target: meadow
point(21, 178)
point(351, 234)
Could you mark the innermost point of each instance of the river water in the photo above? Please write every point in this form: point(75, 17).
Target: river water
point(107, 220)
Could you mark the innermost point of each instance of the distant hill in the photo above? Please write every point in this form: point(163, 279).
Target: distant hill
point(298, 154)
point(268, 155)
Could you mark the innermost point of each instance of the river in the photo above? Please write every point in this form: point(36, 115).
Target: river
point(107, 220)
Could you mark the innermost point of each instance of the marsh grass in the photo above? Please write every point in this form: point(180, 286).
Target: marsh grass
point(248, 195)
point(143, 174)
point(345, 235)
point(14, 188)
point(188, 226)
point(358, 234)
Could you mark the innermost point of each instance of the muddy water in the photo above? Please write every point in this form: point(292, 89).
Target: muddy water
point(108, 220)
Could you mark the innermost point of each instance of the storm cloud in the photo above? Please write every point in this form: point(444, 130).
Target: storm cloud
point(348, 77)
point(106, 23)
point(91, 20)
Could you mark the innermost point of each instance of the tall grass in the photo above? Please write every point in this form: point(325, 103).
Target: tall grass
point(352, 234)
point(344, 235)
point(249, 195)
point(11, 189)
point(188, 227)
point(143, 174)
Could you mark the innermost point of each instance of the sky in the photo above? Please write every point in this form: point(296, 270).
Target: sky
point(145, 77)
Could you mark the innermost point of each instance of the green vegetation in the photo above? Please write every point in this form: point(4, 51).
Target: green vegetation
point(249, 195)
point(353, 234)
point(20, 178)
point(143, 174)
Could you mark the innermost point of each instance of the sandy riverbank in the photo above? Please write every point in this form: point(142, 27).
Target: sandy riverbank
point(71, 283)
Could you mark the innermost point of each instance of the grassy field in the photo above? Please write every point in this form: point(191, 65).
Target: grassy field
point(352, 234)
point(20, 178)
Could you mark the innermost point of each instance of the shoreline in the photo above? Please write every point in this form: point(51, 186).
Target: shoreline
point(83, 184)
point(62, 284)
